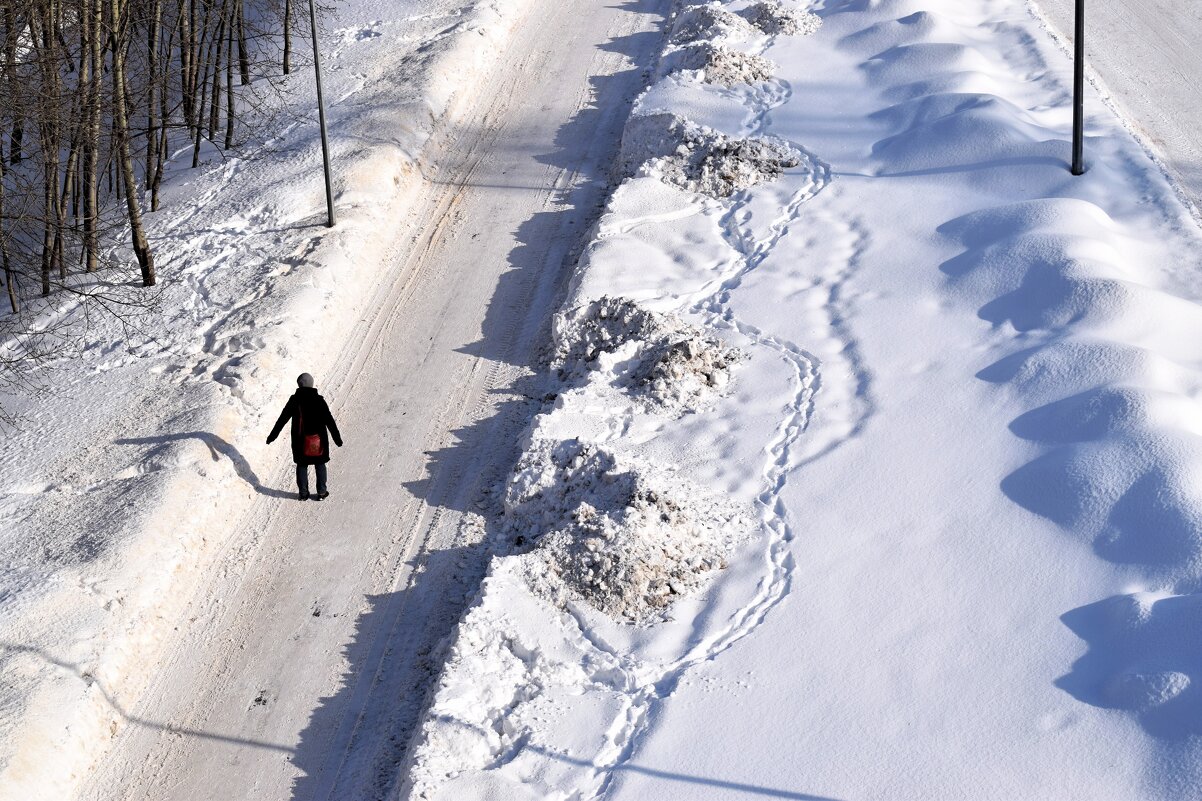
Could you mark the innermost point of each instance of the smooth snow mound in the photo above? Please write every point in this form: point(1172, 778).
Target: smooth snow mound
point(627, 539)
point(774, 18)
point(700, 159)
point(665, 363)
point(720, 65)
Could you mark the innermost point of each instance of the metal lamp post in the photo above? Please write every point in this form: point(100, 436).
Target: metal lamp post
point(321, 117)
point(1078, 90)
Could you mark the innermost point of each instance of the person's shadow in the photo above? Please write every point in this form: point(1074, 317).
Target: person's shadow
point(218, 447)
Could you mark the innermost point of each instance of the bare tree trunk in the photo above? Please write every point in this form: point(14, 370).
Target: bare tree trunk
point(152, 83)
point(229, 85)
point(243, 58)
point(202, 85)
point(187, 59)
point(164, 128)
point(94, 23)
point(42, 42)
point(121, 120)
point(287, 36)
point(215, 90)
point(9, 281)
point(10, 65)
point(63, 202)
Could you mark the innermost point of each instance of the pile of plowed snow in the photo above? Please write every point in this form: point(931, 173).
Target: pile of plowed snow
point(712, 21)
point(700, 23)
point(775, 18)
point(662, 361)
point(623, 538)
point(720, 65)
point(700, 159)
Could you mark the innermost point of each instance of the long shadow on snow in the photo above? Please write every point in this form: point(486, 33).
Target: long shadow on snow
point(1144, 658)
point(628, 767)
point(356, 739)
point(10, 650)
point(218, 447)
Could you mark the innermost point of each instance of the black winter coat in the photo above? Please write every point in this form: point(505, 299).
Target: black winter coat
point(310, 408)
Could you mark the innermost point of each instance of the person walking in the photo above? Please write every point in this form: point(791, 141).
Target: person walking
point(312, 428)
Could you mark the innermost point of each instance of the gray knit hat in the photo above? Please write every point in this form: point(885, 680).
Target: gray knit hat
point(304, 380)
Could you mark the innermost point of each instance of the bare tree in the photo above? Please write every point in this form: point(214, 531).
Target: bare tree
point(118, 22)
point(83, 159)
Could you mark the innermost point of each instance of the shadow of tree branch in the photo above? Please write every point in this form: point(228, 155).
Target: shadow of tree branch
point(91, 681)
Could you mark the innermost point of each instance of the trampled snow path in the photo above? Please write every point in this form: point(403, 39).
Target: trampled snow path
point(119, 486)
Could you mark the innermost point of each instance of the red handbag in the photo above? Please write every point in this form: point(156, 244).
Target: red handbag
point(312, 442)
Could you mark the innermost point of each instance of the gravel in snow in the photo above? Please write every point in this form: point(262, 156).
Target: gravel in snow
point(720, 65)
point(775, 18)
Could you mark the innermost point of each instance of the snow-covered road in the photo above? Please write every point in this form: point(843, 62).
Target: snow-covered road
point(301, 666)
point(1146, 53)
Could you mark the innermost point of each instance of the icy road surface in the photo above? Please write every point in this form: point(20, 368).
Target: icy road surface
point(300, 668)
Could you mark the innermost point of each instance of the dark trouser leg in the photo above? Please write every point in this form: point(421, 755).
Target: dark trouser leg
point(320, 470)
point(302, 478)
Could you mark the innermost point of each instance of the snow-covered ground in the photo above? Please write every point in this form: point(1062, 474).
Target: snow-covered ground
point(965, 424)
point(290, 646)
point(120, 488)
point(868, 460)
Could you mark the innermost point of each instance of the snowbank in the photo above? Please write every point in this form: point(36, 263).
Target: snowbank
point(717, 64)
point(701, 159)
point(119, 500)
point(630, 512)
point(626, 540)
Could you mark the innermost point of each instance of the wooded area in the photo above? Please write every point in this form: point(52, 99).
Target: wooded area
point(95, 96)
